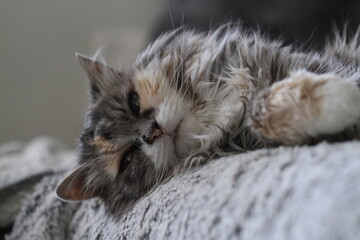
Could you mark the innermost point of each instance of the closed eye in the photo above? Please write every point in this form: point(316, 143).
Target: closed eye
point(134, 104)
point(127, 159)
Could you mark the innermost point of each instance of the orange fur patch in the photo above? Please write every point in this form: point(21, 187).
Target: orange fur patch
point(149, 93)
point(112, 154)
point(290, 107)
point(103, 145)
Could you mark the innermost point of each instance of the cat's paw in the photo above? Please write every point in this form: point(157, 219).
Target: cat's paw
point(306, 105)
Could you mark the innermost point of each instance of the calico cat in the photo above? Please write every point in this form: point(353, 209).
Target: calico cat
point(192, 95)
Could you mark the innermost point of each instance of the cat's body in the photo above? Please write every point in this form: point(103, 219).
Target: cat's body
point(191, 93)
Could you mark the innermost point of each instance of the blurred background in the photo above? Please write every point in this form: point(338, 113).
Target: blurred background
point(43, 90)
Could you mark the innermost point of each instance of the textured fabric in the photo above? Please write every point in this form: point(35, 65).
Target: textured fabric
point(24, 165)
point(284, 193)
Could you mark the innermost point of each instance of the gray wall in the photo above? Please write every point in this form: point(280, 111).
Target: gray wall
point(43, 90)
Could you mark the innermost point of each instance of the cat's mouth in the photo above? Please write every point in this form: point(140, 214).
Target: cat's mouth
point(172, 136)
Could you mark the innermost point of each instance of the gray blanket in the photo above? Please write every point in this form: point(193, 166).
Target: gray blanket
point(284, 193)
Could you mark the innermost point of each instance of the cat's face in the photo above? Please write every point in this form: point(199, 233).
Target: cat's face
point(139, 124)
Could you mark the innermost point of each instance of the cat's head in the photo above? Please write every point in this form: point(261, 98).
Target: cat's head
point(139, 124)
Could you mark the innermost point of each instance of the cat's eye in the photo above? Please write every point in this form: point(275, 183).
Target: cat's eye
point(126, 159)
point(134, 103)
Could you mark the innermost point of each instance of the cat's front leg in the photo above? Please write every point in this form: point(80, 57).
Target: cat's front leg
point(305, 106)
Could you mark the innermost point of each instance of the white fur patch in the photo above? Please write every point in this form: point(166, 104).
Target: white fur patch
point(340, 107)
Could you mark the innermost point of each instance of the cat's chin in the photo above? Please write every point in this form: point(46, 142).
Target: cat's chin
point(168, 149)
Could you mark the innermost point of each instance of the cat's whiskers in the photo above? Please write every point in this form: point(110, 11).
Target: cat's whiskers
point(170, 14)
point(187, 84)
point(182, 59)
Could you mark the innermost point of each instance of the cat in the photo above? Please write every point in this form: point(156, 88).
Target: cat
point(191, 96)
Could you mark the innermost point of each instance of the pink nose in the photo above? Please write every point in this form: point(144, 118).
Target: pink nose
point(150, 138)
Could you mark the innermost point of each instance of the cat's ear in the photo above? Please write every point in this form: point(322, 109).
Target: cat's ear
point(97, 72)
point(73, 187)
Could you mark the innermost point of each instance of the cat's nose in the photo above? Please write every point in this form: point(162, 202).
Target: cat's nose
point(152, 133)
